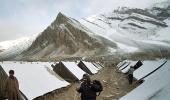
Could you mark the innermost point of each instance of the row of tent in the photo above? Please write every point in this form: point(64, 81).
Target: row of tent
point(70, 71)
point(155, 75)
point(38, 79)
point(142, 68)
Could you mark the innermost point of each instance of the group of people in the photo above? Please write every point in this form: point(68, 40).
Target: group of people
point(88, 88)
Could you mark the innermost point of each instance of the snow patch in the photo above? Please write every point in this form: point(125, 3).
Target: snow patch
point(126, 48)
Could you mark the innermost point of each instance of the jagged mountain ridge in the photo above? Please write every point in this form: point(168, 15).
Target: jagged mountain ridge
point(66, 36)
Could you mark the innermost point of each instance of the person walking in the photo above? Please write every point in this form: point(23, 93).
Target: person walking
point(12, 87)
point(130, 74)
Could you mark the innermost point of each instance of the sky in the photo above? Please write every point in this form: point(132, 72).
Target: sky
point(20, 18)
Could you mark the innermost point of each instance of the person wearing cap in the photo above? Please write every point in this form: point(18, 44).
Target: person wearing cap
point(87, 93)
point(130, 74)
point(12, 87)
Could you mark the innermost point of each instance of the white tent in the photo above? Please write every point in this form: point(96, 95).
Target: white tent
point(35, 79)
point(96, 64)
point(91, 67)
point(74, 69)
point(120, 64)
point(127, 67)
point(124, 65)
point(147, 67)
point(155, 87)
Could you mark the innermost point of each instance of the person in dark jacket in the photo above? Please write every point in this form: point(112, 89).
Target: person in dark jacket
point(12, 87)
point(130, 74)
point(87, 89)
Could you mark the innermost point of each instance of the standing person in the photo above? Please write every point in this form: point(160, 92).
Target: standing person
point(130, 74)
point(86, 89)
point(12, 87)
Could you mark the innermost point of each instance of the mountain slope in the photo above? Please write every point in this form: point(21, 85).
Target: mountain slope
point(125, 30)
point(66, 37)
point(13, 48)
point(131, 27)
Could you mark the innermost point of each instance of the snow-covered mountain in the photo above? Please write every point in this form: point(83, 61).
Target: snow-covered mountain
point(131, 28)
point(12, 48)
point(66, 37)
point(125, 30)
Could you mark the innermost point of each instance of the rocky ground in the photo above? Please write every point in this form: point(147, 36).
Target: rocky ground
point(115, 86)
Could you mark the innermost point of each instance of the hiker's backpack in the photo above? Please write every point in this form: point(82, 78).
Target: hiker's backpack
point(97, 86)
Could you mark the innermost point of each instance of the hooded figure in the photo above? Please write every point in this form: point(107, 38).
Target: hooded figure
point(86, 89)
point(12, 87)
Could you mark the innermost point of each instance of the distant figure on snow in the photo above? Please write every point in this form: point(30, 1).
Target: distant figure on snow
point(12, 87)
point(88, 88)
point(130, 74)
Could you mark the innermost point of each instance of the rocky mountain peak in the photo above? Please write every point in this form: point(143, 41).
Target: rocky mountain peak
point(61, 18)
point(65, 36)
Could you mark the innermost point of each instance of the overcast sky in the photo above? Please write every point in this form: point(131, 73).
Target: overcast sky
point(20, 18)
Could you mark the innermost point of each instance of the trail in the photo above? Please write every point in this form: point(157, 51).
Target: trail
point(115, 86)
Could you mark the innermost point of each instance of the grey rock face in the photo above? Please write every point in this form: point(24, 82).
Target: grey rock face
point(65, 36)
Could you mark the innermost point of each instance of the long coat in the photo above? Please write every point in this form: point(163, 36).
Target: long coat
point(12, 88)
point(87, 92)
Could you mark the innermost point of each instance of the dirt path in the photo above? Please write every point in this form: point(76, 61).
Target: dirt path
point(115, 86)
